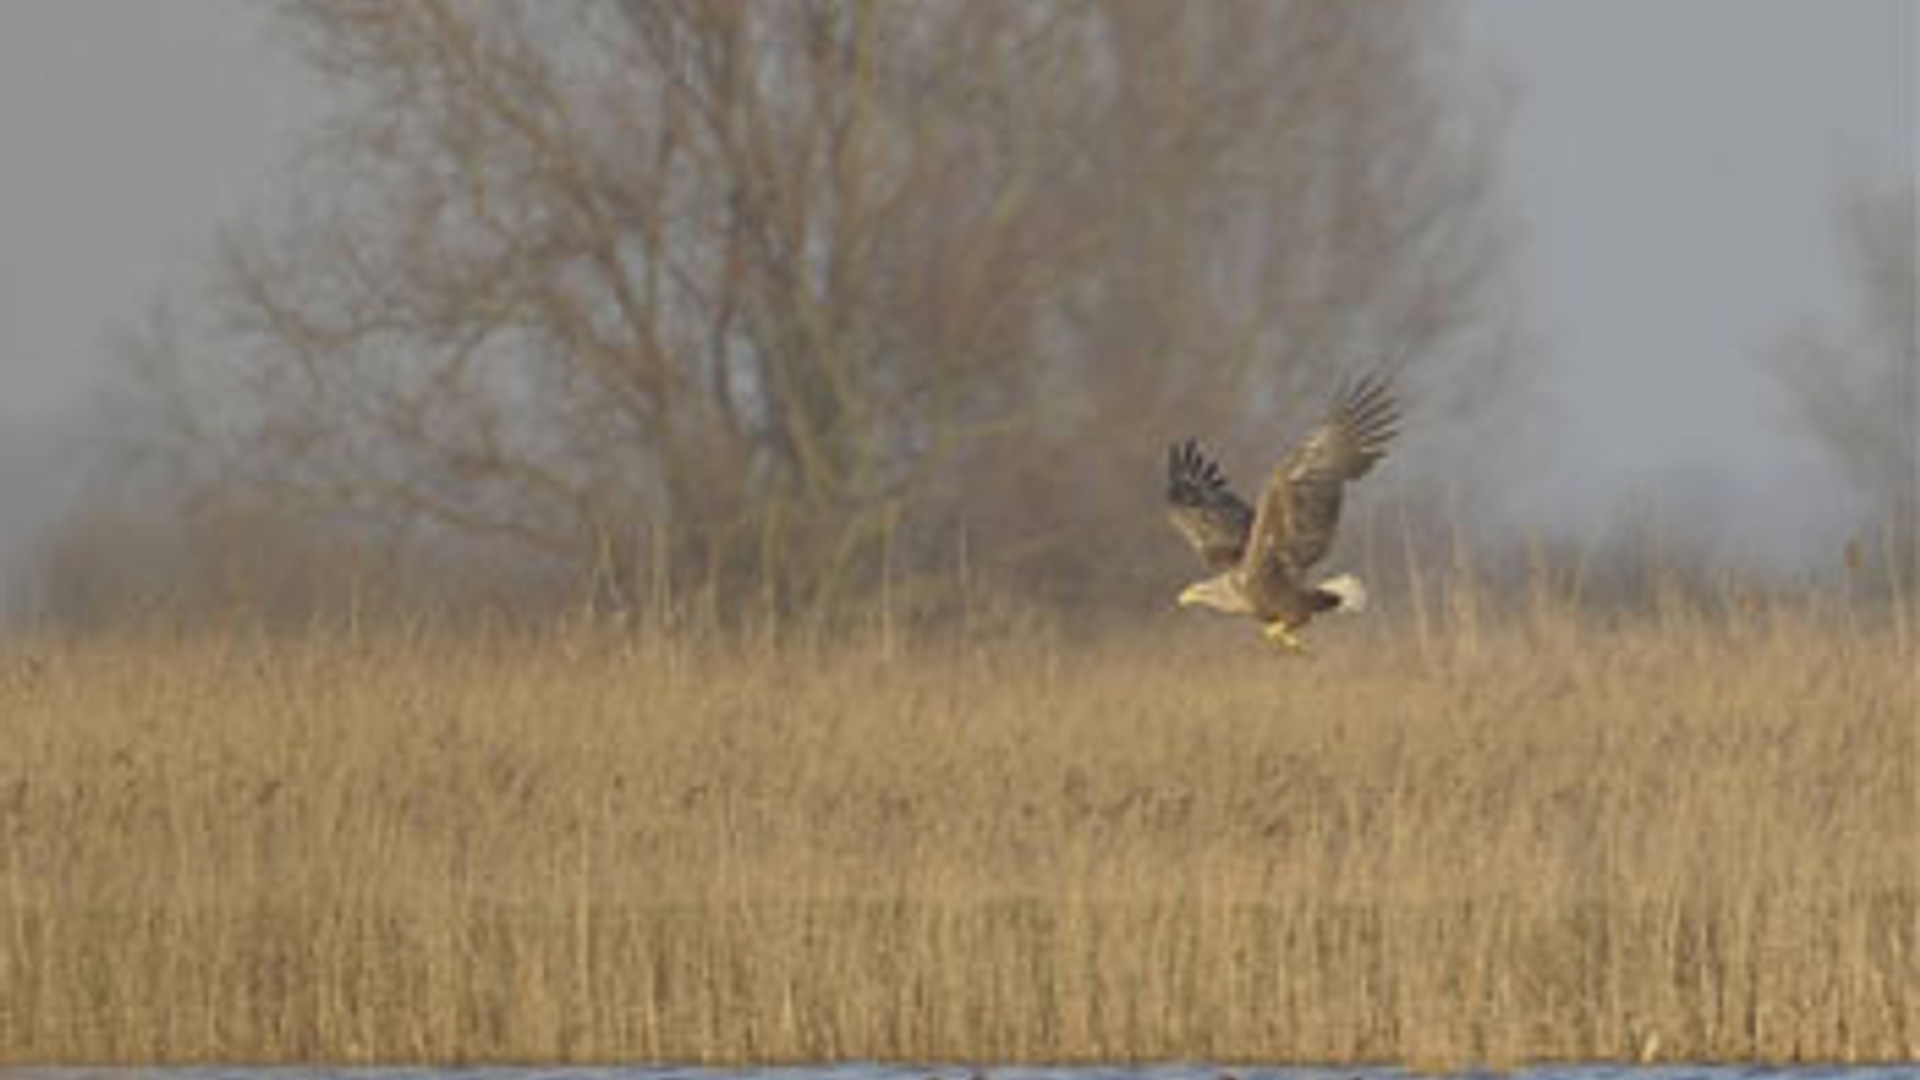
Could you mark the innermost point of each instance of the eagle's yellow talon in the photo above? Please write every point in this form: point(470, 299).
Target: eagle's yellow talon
point(1284, 639)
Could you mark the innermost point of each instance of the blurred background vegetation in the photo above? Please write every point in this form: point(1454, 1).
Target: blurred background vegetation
point(785, 308)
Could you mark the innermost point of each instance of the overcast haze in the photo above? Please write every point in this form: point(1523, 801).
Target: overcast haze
point(128, 130)
point(1675, 166)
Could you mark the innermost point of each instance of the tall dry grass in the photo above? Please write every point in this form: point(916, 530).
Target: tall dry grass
point(1446, 839)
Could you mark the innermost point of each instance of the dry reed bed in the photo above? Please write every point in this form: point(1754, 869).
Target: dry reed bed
point(1683, 838)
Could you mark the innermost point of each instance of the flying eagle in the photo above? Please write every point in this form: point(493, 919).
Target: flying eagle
point(1260, 557)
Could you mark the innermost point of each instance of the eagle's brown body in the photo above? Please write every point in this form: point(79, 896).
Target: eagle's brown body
point(1260, 555)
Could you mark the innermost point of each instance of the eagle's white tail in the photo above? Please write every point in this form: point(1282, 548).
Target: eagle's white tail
point(1349, 590)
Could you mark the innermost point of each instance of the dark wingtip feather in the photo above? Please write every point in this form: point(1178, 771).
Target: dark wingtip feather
point(1370, 414)
point(1192, 477)
point(1180, 485)
point(1369, 402)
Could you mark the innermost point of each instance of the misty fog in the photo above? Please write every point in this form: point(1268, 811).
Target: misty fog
point(1670, 183)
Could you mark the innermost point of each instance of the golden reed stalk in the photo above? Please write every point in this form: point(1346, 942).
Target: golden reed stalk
point(1687, 836)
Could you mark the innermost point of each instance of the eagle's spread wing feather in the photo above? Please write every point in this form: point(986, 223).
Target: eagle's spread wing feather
point(1199, 503)
point(1300, 506)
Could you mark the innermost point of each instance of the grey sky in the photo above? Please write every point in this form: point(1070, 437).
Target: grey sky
point(1675, 164)
point(129, 128)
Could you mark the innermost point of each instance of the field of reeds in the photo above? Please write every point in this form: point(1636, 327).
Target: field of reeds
point(1689, 834)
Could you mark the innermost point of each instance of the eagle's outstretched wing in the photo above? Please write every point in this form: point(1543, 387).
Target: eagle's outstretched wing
point(1300, 506)
point(1199, 503)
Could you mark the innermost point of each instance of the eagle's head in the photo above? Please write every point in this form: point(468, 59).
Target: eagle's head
point(1219, 592)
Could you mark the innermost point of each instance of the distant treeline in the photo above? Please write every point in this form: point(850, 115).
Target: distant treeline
point(802, 308)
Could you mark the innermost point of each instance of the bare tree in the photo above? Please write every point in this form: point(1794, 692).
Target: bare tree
point(1857, 388)
point(1303, 190)
point(784, 292)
